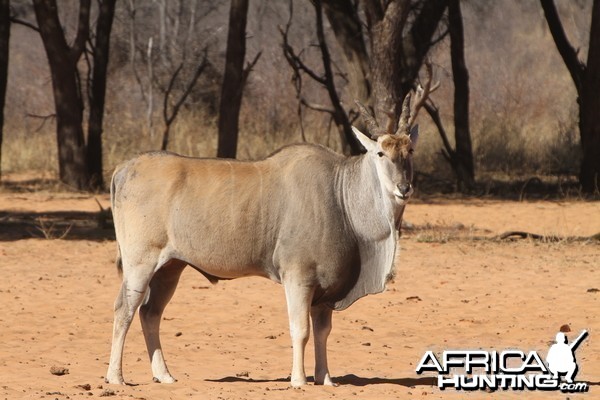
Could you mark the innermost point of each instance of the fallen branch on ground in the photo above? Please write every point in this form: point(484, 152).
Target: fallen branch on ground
point(545, 238)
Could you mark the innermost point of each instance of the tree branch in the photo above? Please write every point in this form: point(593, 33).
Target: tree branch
point(175, 111)
point(373, 11)
point(83, 30)
point(567, 52)
point(44, 119)
point(295, 61)
point(28, 24)
point(292, 58)
point(438, 39)
point(326, 80)
point(434, 113)
point(340, 116)
point(372, 126)
point(249, 67)
point(188, 89)
point(420, 37)
point(168, 91)
point(316, 107)
point(89, 71)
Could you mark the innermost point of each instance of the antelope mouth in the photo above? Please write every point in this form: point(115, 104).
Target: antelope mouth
point(402, 197)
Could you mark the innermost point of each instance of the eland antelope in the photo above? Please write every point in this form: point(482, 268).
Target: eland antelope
point(321, 224)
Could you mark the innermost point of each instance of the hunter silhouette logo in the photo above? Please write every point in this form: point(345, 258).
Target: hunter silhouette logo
point(561, 356)
point(508, 369)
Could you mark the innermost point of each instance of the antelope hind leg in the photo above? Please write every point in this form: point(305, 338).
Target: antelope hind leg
point(162, 287)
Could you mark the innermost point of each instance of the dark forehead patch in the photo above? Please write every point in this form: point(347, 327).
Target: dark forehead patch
point(396, 146)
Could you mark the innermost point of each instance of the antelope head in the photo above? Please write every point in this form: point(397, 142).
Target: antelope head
point(392, 151)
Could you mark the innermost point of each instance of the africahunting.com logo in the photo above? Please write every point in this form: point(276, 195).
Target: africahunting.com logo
point(508, 369)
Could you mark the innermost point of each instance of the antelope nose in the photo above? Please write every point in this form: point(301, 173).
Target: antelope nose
point(404, 189)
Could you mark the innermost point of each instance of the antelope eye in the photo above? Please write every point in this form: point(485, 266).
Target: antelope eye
point(380, 154)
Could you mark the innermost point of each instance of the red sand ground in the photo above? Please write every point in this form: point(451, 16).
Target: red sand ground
point(231, 341)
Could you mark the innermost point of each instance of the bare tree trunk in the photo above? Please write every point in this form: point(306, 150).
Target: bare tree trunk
point(339, 114)
point(397, 53)
point(343, 18)
point(419, 40)
point(4, 47)
point(463, 154)
point(233, 80)
point(67, 92)
point(589, 109)
point(587, 82)
point(386, 28)
point(98, 92)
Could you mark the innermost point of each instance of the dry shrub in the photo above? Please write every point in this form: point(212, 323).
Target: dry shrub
point(523, 111)
point(563, 154)
point(503, 145)
point(523, 108)
point(22, 151)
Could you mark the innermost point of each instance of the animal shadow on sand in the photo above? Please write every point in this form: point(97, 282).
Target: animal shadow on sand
point(70, 225)
point(350, 380)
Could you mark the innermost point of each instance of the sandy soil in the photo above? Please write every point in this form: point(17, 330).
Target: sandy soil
point(230, 341)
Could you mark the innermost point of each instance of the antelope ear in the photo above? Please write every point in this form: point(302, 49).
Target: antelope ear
point(367, 143)
point(414, 135)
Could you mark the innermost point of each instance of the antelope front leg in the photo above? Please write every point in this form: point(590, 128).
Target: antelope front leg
point(298, 299)
point(321, 319)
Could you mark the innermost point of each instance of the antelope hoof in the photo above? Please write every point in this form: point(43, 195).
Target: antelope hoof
point(298, 383)
point(114, 379)
point(326, 381)
point(164, 379)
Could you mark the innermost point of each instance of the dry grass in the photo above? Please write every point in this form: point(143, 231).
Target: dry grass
point(502, 152)
point(50, 230)
point(23, 152)
point(442, 232)
point(523, 108)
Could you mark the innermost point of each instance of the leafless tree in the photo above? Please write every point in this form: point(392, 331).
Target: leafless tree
point(401, 33)
point(4, 46)
point(80, 164)
point(63, 59)
point(586, 77)
point(347, 28)
point(325, 79)
point(168, 54)
point(234, 79)
point(460, 157)
point(170, 115)
point(100, 50)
